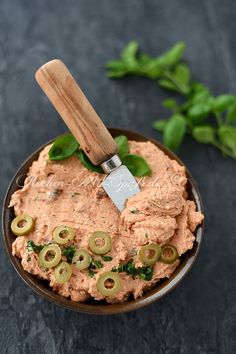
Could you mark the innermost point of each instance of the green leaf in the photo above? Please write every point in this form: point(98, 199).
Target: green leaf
point(123, 146)
point(107, 258)
point(95, 263)
point(167, 84)
point(32, 247)
point(69, 252)
point(172, 56)
point(227, 136)
point(199, 93)
point(198, 112)
point(222, 102)
point(182, 73)
point(137, 165)
point(169, 103)
point(231, 114)
point(160, 124)
point(145, 273)
point(63, 147)
point(87, 163)
point(174, 131)
point(129, 52)
point(116, 69)
point(204, 134)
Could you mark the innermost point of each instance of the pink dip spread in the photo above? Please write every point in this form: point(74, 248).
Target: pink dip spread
point(66, 193)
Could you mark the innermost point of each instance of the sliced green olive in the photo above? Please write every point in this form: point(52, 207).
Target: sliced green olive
point(50, 256)
point(150, 254)
point(22, 225)
point(81, 259)
point(100, 242)
point(63, 234)
point(169, 254)
point(109, 283)
point(62, 272)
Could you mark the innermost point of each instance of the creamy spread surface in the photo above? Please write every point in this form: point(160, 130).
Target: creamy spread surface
point(66, 193)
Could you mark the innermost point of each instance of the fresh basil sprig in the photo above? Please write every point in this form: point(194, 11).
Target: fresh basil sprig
point(135, 163)
point(194, 115)
point(66, 145)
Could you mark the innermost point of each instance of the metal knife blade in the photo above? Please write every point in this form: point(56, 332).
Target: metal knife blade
point(120, 184)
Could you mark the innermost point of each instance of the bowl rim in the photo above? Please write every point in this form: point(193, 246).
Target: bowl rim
point(153, 295)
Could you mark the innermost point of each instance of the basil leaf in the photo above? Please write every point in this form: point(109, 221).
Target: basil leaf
point(63, 147)
point(128, 55)
point(174, 131)
point(169, 103)
point(137, 165)
point(87, 163)
point(182, 73)
point(227, 135)
point(123, 146)
point(198, 112)
point(231, 114)
point(160, 124)
point(204, 134)
point(167, 84)
point(222, 102)
point(172, 56)
point(116, 69)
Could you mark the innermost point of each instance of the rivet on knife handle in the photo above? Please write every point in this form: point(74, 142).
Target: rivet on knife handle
point(58, 84)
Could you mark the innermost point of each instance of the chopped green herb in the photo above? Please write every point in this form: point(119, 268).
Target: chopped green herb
point(32, 247)
point(145, 273)
point(69, 252)
point(96, 264)
point(91, 273)
point(129, 268)
point(107, 258)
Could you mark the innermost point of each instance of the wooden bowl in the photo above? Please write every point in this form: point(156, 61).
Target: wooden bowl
point(42, 288)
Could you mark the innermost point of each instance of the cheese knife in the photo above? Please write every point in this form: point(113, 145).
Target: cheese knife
point(87, 127)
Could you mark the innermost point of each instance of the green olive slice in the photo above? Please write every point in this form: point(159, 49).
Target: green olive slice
point(169, 254)
point(150, 254)
point(81, 259)
point(50, 256)
point(109, 283)
point(22, 225)
point(62, 272)
point(63, 234)
point(100, 242)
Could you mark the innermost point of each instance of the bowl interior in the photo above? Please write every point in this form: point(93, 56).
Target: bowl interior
point(93, 307)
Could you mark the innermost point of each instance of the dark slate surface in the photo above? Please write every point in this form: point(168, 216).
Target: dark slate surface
point(200, 315)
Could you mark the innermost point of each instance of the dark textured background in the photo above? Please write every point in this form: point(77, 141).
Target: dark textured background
point(200, 315)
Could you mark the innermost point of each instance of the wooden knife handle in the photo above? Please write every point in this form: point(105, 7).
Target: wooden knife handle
point(58, 84)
